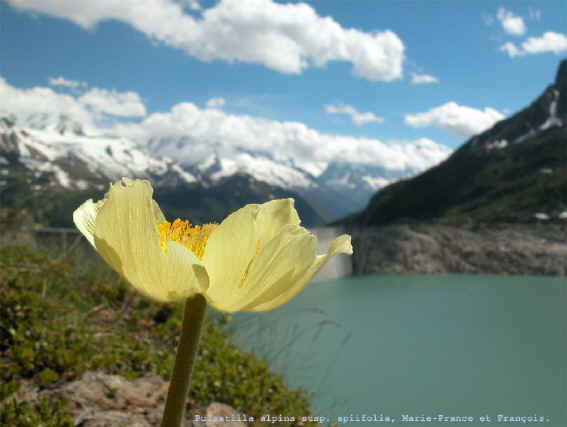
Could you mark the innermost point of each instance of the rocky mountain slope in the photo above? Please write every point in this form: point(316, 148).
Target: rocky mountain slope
point(515, 172)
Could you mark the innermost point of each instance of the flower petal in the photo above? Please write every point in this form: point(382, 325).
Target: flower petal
point(157, 212)
point(341, 244)
point(84, 218)
point(284, 259)
point(274, 215)
point(126, 236)
point(234, 242)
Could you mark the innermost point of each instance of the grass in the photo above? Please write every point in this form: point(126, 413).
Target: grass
point(59, 319)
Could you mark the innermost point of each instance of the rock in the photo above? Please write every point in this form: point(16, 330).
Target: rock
point(515, 249)
point(102, 400)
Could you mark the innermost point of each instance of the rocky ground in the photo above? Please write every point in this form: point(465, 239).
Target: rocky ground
point(101, 400)
point(508, 249)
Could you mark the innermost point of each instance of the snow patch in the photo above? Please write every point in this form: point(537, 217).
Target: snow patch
point(39, 166)
point(185, 175)
point(49, 153)
point(5, 124)
point(227, 168)
point(563, 215)
point(207, 163)
point(497, 144)
point(313, 168)
point(377, 183)
point(552, 120)
point(262, 169)
point(59, 123)
point(342, 182)
point(3, 161)
point(81, 184)
point(546, 171)
point(104, 156)
point(22, 148)
point(62, 176)
point(525, 136)
point(541, 216)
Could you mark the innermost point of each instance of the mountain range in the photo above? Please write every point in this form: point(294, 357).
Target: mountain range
point(49, 164)
point(514, 172)
point(49, 167)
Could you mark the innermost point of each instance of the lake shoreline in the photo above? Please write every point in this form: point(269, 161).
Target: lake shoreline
point(502, 249)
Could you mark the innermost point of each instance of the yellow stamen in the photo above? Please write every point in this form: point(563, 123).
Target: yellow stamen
point(193, 238)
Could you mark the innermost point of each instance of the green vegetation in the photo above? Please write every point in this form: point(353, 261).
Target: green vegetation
point(59, 319)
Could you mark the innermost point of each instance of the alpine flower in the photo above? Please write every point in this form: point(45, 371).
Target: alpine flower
point(257, 259)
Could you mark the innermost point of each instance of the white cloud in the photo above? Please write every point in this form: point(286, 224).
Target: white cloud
point(216, 102)
point(125, 104)
point(460, 120)
point(357, 118)
point(511, 49)
point(549, 42)
point(423, 79)
point(511, 23)
point(61, 81)
point(88, 109)
point(24, 102)
point(285, 37)
point(309, 148)
point(208, 128)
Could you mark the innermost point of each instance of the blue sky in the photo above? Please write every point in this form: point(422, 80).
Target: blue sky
point(387, 71)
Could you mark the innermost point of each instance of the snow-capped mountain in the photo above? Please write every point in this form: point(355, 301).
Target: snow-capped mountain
point(360, 180)
point(59, 152)
point(51, 168)
point(260, 167)
point(213, 161)
point(61, 124)
point(338, 187)
point(76, 155)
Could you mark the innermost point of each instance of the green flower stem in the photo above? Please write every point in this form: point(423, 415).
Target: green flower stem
point(174, 411)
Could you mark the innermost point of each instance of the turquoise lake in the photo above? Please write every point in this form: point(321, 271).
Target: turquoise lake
point(422, 346)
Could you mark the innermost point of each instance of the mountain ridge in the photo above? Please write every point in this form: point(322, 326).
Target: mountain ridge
point(515, 172)
point(58, 150)
point(331, 189)
point(50, 171)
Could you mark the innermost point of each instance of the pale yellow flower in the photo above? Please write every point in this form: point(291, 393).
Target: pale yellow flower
point(257, 259)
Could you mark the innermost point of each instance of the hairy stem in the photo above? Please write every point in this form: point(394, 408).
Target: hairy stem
point(184, 360)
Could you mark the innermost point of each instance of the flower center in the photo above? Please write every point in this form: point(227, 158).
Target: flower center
point(193, 238)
